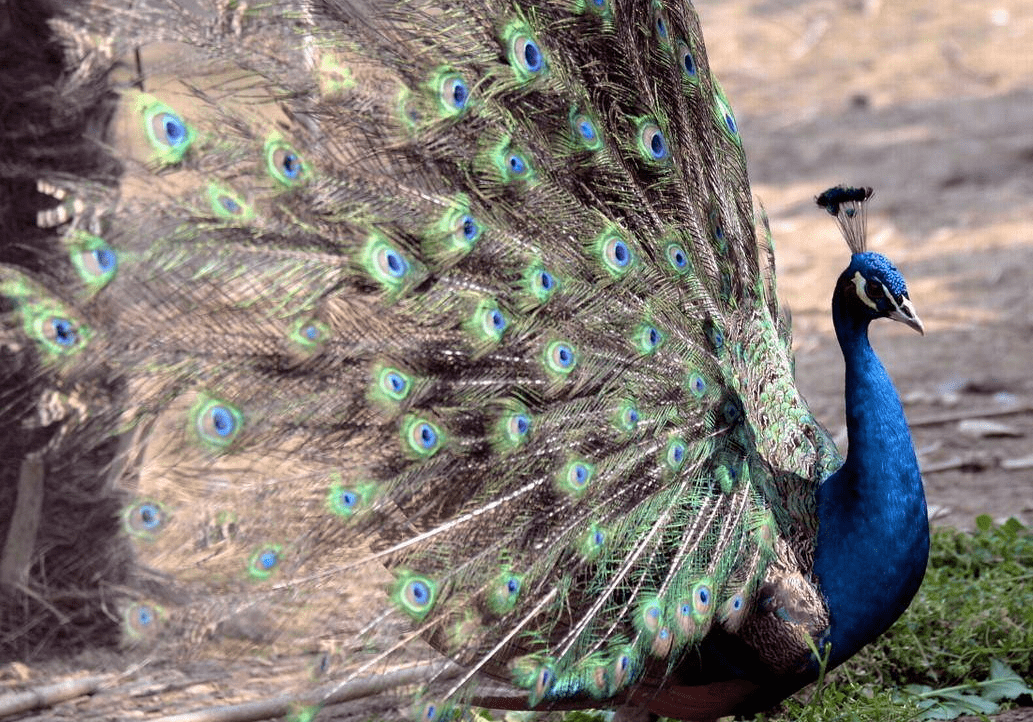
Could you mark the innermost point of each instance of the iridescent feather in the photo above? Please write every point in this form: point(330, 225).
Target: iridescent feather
point(373, 336)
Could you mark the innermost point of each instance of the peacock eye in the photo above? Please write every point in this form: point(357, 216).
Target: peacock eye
point(876, 291)
point(283, 163)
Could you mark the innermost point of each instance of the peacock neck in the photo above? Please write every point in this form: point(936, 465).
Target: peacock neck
point(873, 537)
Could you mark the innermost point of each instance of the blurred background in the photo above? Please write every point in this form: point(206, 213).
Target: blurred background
point(930, 103)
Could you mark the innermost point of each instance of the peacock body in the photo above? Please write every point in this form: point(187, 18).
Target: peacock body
point(469, 292)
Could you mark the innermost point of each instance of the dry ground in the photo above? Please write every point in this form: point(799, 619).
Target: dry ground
point(931, 104)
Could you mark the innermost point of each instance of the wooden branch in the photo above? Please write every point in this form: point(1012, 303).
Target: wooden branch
point(21, 534)
point(952, 416)
point(49, 695)
point(330, 694)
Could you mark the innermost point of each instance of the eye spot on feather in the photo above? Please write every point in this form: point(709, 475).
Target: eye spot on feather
point(520, 425)
point(649, 616)
point(725, 117)
point(344, 501)
point(505, 593)
point(545, 281)
point(585, 131)
point(144, 519)
point(523, 52)
point(677, 257)
point(93, 259)
point(227, 204)
point(543, 683)
point(717, 230)
point(391, 262)
point(615, 253)
point(496, 320)
point(455, 234)
point(386, 263)
point(431, 712)
point(534, 673)
point(101, 261)
point(560, 357)
point(453, 93)
point(674, 454)
point(45, 321)
point(733, 612)
point(516, 163)
point(592, 543)
point(168, 135)
point(216, 423)
point(574, 477)
point(514, 428)
point(627, 417)
point(414, 594)
point(648, 339)
point(540, 285)
point(527, 54)
point(170, 128)
point(283, 162)
point(660, 26)
point(393, 384)
point(715, 335)
point(687, 63)
point(264, 562)
point(652, 143)
point(697, 385)
point(62, 332)
point(702, 596)
point(468, 228)
point(423, 438)
point(347, 500)
point(141, 621)
point(623, 670)
point(488, 323)
point(309, 334)
point(514, 166)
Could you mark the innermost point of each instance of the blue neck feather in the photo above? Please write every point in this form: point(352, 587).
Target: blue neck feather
point(873, 538)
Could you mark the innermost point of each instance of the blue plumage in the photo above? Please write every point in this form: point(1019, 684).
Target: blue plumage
point(873, 534)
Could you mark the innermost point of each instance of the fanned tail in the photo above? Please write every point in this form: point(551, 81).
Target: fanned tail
point(442, 329)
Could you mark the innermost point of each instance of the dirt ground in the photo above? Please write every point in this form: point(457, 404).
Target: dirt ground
point(932, 105)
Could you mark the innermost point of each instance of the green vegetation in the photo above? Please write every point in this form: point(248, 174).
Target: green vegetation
point(965, 646)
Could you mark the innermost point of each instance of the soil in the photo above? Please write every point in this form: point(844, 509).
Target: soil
point(933, 107)
point(931, 104)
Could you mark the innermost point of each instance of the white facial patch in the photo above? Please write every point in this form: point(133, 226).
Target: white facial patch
point(861, 286)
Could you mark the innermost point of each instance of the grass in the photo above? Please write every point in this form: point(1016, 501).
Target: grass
point(964, 646)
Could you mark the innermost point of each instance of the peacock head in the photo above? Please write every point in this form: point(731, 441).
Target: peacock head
point(871, 287)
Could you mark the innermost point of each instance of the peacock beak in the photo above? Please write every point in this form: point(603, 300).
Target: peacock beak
point(905, 313)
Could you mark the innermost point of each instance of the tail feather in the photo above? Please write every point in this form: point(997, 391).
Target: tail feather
point(469, 293)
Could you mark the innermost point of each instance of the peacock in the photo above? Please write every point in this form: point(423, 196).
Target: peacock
point(429, 354)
